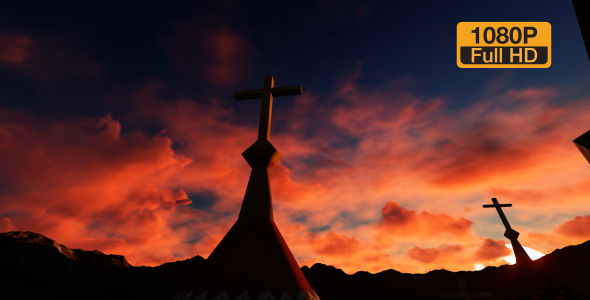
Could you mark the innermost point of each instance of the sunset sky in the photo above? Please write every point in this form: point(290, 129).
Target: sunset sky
point(119, 131)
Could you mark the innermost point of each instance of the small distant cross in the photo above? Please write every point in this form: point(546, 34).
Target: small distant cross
point(510, 233)
point(267, 93)
point(465, 294)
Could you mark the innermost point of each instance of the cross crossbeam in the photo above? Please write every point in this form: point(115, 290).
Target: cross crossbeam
point(498, 207)
point(510, 233)
point(266, 94)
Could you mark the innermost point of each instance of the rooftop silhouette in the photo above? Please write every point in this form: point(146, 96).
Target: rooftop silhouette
point(253, 260)
point(583, 144)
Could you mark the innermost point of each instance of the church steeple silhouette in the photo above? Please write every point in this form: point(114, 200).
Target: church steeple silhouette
point(522, 258)
point(531, 281)
point(253, 260)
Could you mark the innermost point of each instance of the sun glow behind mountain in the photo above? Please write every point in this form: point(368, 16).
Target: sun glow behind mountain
point(533, 254)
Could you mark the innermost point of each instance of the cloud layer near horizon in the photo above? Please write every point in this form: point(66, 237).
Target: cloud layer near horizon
point(372, 177)
point(395, 184)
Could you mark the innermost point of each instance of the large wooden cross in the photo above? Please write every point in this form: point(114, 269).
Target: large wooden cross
point(267, 93)
point(465, 294)
point(509, 233)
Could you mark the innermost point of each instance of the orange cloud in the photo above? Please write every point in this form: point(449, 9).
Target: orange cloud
point(84, 184)
point(491, 250)
point(348, 253)
point(571, 232)
point(579, 227)
point(402, 221)
point(456, 257)
point(429, 255)
point(565, 194)
point(337, 245)
point(173, 195)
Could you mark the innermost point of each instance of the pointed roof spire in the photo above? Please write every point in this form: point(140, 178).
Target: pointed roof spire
point(583, 144)
point(531, 281)
point(522, 258)
point(253, 260)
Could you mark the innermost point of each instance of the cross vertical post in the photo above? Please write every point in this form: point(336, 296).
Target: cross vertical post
point(522, 257)
point(266, 109)
point(498, 207)
point(510, 233)
point(267, 93)
point(262, 155)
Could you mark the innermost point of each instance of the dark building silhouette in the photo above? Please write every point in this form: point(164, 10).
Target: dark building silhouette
point(582, 8)
point(253, 260)
point(583, 144)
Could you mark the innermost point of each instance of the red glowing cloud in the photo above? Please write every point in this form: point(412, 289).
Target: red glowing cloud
point(14, 49)
point(491, 250)
point(570, 232)
point(80, 182)
point(402, 221)
point(429, 255)
point(337, 245)
point(579, 227)
point(173, 195)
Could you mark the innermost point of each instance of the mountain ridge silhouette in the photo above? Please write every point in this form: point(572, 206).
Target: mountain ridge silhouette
point(34, 266)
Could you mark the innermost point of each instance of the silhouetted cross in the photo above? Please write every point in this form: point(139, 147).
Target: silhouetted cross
point(498, 207)
point(267, 93)
point(510, 233)
point(465, 294)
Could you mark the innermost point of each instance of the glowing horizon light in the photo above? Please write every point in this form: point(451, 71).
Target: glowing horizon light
point(511, 259)
point(532, 253)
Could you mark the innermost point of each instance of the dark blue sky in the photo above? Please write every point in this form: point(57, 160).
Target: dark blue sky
point(304, 42)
